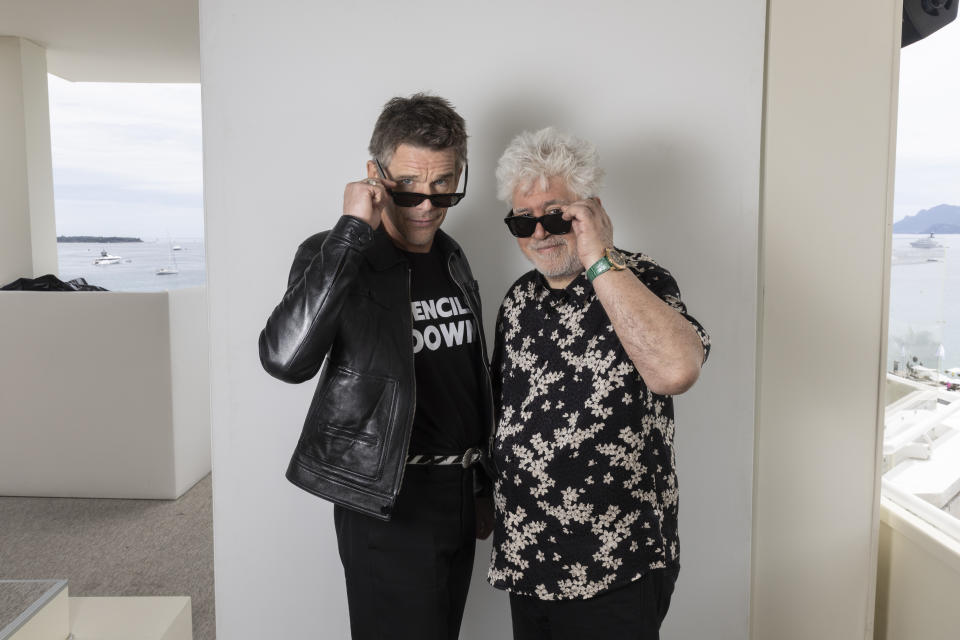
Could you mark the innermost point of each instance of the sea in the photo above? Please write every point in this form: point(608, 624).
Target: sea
point(924, 303)
point(138, 264)
point(924, 287)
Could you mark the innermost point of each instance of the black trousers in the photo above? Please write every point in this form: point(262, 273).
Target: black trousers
point(408, 578)
point(632, 612)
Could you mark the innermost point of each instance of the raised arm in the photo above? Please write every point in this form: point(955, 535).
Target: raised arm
point(302, 327)
point(662, 342)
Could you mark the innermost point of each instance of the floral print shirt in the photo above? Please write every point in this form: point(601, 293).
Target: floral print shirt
point(586, 489)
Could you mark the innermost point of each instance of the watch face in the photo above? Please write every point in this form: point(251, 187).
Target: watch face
point(617, 261)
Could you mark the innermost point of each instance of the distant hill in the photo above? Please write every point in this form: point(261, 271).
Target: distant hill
point(944, 218)
point(944, 228)
point(98, 239)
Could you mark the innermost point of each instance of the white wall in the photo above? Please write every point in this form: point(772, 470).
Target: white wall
point(15, 253)
point(27, 229)
point(671, 93)
point(43, 224)
point(918, 579)
point(189, 385)
point(103, 394)
point(829, 141)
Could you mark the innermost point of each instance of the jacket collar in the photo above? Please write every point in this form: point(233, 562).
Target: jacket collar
point(382, 254)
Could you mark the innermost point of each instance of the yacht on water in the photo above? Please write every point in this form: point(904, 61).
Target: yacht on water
point(106, 258)
point(926, 243)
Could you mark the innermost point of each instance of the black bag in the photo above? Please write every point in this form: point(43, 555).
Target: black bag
point(50, 282)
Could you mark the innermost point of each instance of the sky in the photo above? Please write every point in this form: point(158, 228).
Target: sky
point(127, 159)
point(928, 124)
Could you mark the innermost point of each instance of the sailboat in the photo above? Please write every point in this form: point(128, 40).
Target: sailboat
point(168, 270)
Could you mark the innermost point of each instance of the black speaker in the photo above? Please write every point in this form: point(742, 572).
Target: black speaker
point(923, 17)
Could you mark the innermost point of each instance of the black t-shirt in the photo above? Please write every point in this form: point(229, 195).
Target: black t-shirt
point(446, 358)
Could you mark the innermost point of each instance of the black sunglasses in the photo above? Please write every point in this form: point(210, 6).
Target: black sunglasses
point(524, 226)
point(412, 199)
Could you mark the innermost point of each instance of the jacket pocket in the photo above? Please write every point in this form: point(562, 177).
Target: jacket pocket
point(350, 421)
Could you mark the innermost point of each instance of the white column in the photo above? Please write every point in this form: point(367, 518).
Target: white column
point(28, 244)
point(826, 205)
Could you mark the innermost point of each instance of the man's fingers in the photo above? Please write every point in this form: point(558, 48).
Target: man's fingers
point(580, 211)
point(377, 188)
point(380, 181)
point(574, 212)
point(590, 206)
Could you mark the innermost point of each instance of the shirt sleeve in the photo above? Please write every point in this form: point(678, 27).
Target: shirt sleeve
point(662, 283)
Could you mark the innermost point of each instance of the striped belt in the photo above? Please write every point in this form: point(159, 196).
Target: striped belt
point(470, 457)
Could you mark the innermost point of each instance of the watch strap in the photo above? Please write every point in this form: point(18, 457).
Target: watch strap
point(599, 267)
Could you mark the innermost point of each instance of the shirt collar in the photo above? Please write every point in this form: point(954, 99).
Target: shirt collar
point(578, 292)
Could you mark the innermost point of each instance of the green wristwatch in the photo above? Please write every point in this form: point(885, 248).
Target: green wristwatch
point(611, 260)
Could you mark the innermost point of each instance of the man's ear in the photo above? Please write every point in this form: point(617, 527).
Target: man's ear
point(372, 169)
point(597, 198)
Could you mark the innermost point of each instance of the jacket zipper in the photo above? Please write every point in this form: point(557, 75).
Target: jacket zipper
point(483, 356)
point(413, 378)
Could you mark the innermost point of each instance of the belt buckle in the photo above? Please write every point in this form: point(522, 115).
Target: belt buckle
point(470, 456)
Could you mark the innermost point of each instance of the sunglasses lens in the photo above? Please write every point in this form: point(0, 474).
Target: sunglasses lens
point(521, 226)
point(407, 198)
point(445, 199)
point(526, 225)
point(411, 199)
point(555, 224)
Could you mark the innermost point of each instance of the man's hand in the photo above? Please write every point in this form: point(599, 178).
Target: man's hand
point(367, 199)
point(484, 510)
point(593, 229)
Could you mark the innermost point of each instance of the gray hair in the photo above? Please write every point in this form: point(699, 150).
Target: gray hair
point(422, 121)
point(545, 154)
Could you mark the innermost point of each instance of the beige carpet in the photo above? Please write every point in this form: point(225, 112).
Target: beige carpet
point(116, 547)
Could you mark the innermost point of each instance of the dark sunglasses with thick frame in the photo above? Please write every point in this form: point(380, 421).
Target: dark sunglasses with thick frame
point(412, 199)
point(525, 225)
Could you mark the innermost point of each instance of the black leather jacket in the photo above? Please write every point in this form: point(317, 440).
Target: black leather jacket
point(346, 313)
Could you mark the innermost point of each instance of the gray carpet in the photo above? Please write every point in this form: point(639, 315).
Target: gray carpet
point(116, 547)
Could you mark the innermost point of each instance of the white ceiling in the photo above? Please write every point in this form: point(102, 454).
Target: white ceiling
point(111, 40)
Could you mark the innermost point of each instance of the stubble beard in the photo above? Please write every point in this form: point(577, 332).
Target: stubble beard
point(414, 237)
point(566, 264)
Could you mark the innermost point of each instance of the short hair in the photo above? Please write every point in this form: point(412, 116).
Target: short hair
point(545, 154)
point(422, 121)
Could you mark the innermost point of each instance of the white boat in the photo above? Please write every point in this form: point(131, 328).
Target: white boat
point(926, 243)
point(177, 247)
point(168, 270)
point(106, 258)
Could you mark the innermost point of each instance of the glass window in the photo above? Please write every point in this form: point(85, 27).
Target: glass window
point(921, 448)
point(128, 184)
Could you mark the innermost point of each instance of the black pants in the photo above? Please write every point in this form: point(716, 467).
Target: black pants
point(408, 578)
point(633, 612)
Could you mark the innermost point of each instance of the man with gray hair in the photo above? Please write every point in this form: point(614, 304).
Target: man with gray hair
point(385, 307)
point(590, 346)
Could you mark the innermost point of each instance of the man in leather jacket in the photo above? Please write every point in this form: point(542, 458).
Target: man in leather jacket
point(384, 306)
